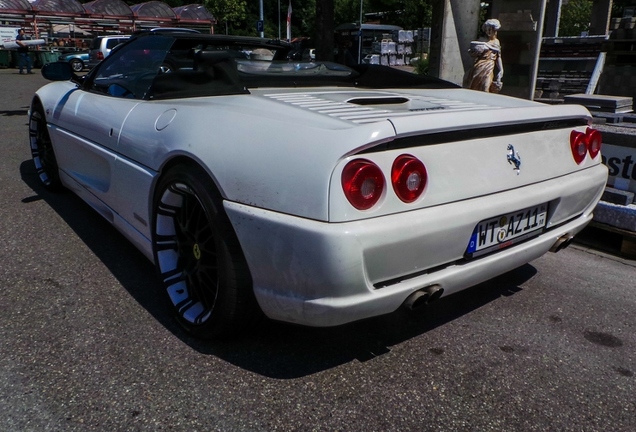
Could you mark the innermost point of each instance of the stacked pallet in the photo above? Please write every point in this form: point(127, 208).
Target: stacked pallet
point(568, 65)
point(602, 103)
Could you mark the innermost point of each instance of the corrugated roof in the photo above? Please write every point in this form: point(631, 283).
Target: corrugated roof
point(193, 12)
point(113, 9)
point(107, 8)
point(153, 9)
point(70, 7)
point(15, 6)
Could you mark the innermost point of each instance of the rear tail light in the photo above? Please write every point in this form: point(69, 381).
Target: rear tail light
point(100, 55)
point(583, 143)
point(594, 141)
point(579, 148)
point(409, 177)
point(363, 183)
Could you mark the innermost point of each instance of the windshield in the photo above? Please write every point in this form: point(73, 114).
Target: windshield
point(293, 69)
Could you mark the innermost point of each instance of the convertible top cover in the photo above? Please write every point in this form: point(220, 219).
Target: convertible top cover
point(171, 65)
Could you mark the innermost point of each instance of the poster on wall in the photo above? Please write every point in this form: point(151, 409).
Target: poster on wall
point(621, 166)
point(8, 34)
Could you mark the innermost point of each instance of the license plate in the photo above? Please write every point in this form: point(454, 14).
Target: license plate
point(502, 231)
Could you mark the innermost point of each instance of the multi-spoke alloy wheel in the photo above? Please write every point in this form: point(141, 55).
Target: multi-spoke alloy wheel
point(42, 149)
point(198, 256)
point(77, 65)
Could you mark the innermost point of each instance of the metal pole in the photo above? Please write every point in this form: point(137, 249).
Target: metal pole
point(360, 35)
point(260, 4)
point(278, 19)
point(537, 50)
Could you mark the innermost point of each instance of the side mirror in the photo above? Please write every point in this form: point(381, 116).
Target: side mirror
point(58, 71)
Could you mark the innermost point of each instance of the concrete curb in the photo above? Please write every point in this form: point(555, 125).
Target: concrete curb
point(616, 215)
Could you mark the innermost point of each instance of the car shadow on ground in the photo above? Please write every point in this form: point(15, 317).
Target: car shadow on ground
point(272, 349)
point(11, 113)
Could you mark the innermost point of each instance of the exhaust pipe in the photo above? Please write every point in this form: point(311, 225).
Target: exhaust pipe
point(562, 242)
point(420, 298)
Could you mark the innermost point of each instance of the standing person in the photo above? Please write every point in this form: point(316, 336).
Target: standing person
point(23, 52)
point(487, 55)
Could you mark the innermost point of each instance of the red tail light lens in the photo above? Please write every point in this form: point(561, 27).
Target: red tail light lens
point(578, 143)
point(363, 183)
point(100, 55)
point(594, 141)
point(409, 177)
point(582, 143)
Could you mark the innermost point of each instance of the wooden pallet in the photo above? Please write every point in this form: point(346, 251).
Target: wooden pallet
point(626, 239)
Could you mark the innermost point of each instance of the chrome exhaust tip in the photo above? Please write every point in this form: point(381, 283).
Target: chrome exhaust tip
point(561, 243)
point(423, 297)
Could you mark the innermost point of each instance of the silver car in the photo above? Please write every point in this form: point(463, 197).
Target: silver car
point(101, 47)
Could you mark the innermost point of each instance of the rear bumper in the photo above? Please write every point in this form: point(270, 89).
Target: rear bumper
point(324, 274)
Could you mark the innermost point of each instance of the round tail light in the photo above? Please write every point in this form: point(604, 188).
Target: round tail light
point(578, 144)
point(594, 141)
point(362, 183)
point(408, 176)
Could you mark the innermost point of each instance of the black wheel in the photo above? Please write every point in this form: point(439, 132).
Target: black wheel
point(198, 256)
point(42, 149)
point(165, 68)
point(77, 65)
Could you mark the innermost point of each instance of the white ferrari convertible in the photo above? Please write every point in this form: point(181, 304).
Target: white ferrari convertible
point(311, 192)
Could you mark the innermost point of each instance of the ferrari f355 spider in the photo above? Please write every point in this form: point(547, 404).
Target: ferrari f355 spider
point(311, 192)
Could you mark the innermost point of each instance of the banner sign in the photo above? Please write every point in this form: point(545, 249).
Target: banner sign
point(8, 34)
point(621, 164)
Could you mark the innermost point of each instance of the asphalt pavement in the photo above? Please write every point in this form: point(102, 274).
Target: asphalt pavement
point(85, 342)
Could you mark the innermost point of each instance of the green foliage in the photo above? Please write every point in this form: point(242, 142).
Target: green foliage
point(239, 17)
point(172, 3)
point(346, 11)
point(417, 13)
point(618, 7)
point(421, 66)
point(575, 17)
point(408, 14)
point(227, 12)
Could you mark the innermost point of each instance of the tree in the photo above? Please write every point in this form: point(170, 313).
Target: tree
point(408, 14)
point(227, 12)
point(171, 3)
point(310, 18)
point(417, 13)
point(575, 17)
point(618, 7)
point(346, 11)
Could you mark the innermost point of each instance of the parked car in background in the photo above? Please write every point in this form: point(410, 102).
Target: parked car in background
point(312, 192)
point(101, 47)
point(78, 60)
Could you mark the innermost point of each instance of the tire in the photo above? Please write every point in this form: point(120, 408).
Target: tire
point(165, 68)
point(198, 257)
point(77, 65)
point(42, 149)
